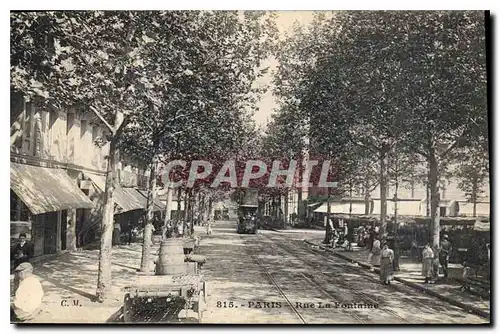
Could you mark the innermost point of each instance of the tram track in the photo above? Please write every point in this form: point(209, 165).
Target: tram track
point(373, 280)
point(399, 289)
point(357, 272)
point(276, 285)
point(338, 297)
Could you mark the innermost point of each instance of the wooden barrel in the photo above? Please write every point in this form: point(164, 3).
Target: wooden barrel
point(171, 258)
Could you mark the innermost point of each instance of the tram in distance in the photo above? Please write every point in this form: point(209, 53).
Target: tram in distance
point(248, 220)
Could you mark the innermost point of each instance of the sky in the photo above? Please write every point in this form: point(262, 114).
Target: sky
point(284, 22)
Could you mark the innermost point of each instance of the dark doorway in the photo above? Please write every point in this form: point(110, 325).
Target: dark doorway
point(49, 232)
point(64, 225)
point(442, 211)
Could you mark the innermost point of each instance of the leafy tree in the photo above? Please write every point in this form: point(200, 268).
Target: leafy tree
point(473, 173)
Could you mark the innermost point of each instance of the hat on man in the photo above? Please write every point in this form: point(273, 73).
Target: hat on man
point(445, 236)
point(24, 266)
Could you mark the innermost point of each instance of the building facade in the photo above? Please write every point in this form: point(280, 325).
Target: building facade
point(58, 162)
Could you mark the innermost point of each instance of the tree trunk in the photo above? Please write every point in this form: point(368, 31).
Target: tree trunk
point(286, 208)
point(71, 230)
point(104, 270)
point(168, 205)
point(434, 190)
point(148, 227)
point(383, 193)
point(328, 211)
point(350, 200)
point(210, 208)
point(474, 198)
point(395, 264)
point(366, 187)
point(179, 207)
point(188, 212)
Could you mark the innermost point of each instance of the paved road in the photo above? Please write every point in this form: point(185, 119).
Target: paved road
point(275, 277)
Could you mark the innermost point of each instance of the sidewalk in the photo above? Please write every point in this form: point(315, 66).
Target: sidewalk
point(410, 274)
point(69, 283)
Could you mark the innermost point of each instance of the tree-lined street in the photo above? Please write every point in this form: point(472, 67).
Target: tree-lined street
point(377, 144)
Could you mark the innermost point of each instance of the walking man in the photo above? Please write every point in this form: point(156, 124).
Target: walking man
point(444, 255)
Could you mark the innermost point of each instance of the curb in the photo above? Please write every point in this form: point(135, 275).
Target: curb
point(468, 308)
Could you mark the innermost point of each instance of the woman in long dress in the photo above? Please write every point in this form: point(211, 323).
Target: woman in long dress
point(375, 253)
point(427, 261)
point(386, 268)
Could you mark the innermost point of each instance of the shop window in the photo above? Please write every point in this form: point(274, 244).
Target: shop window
point(52, 119)
point(28, 119)
point(18, 210)
point(94, 133)
point(442, 211)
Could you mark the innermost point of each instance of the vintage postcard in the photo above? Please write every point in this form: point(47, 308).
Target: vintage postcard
point(250, 167)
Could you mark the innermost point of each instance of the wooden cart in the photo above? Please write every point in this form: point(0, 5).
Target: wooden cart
point(165, 299)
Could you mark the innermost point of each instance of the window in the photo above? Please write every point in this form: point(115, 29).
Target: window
point(70, 122)
point(95, 133)
point(28, 119)
point(18, 210)
point(83, 128)
point(52, 118)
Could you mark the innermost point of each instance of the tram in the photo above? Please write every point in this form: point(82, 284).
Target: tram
point(248, 221)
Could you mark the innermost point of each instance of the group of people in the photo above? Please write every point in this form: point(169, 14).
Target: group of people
point(381, 255)
point(433, 258)
point(338, 235)
point(28, 291)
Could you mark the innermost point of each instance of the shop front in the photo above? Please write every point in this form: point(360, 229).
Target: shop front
point(42, 197)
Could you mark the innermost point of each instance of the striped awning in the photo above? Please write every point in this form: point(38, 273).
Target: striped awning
point(122, 197)
point(46, 189)
point(158, 205)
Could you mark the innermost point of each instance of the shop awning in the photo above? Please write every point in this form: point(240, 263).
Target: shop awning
point(482, 225)
point(342, 208)
point(46, 189)
point(404, 208)
point(122, 198)
point(159, 206)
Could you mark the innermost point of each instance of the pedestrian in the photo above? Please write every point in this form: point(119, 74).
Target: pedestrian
point(28, 294)
point(366, 239)
point(129, 232)
point(23, 251)
point(386, 266)
point(374, 256)
point(435, 263)
point(444, 255)
point(209, 227)
point(328, 230)
point(335, 237)
point(427, 259)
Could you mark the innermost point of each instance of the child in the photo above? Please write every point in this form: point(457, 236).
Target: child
point(209, 227)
